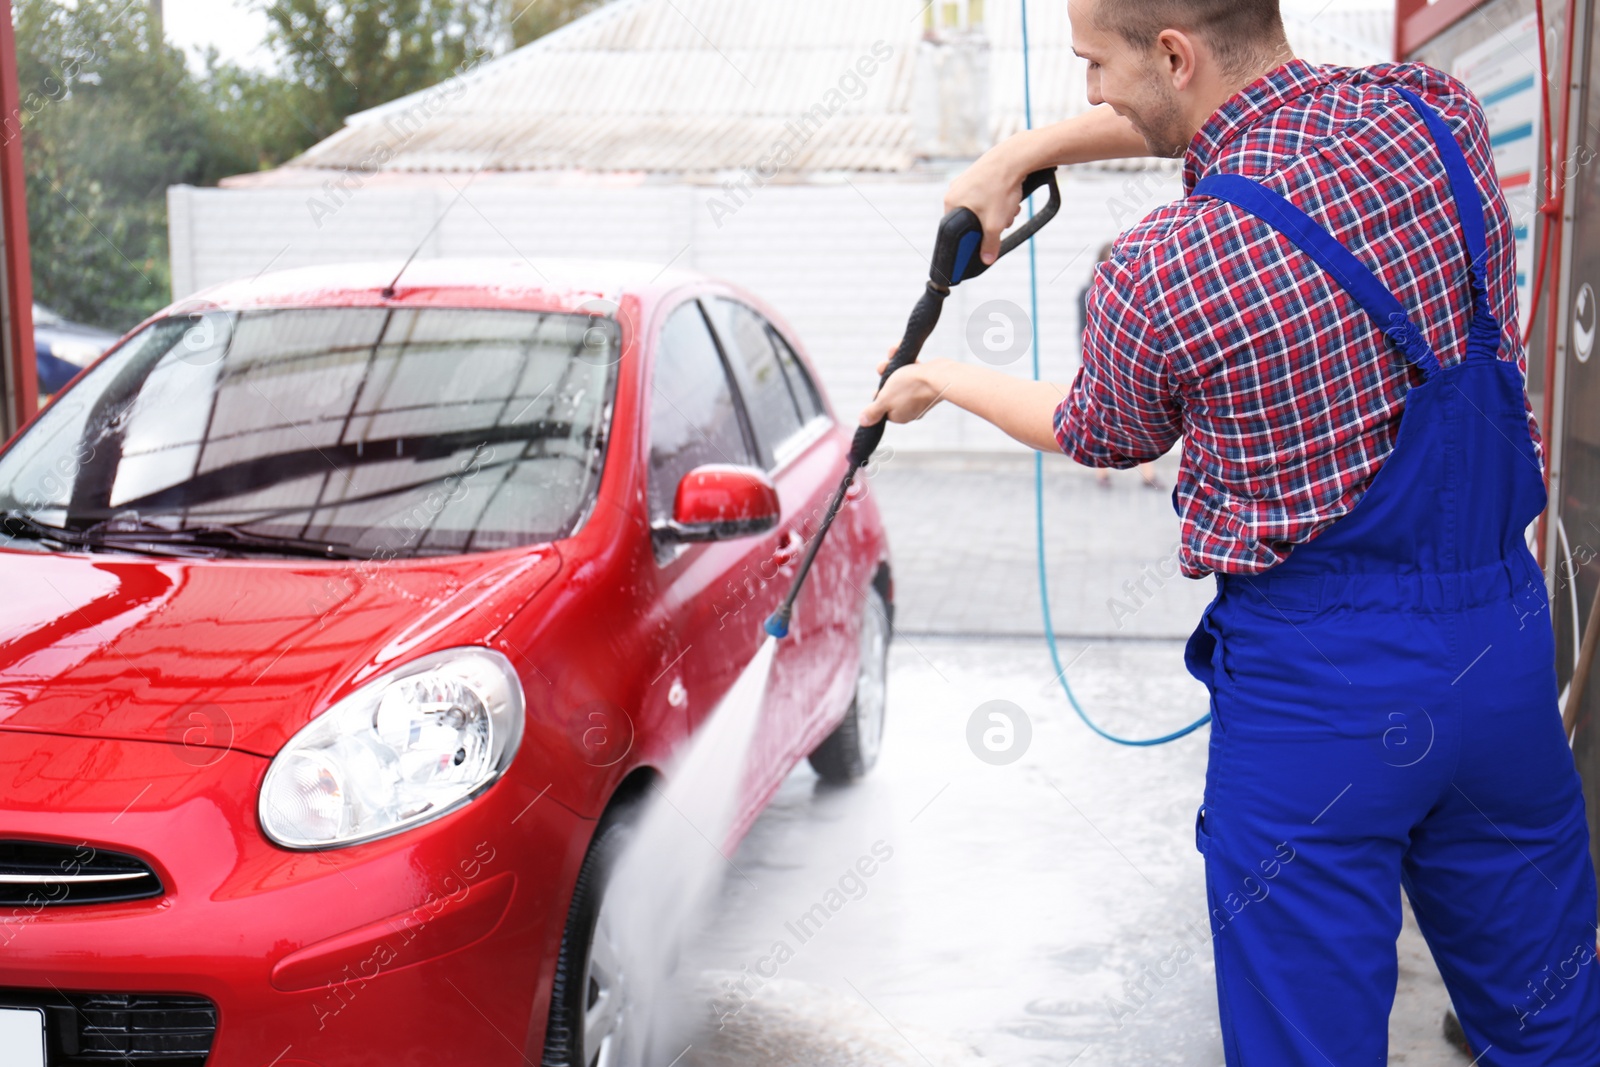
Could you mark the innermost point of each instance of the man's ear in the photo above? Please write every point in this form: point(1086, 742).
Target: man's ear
point(1180, 57)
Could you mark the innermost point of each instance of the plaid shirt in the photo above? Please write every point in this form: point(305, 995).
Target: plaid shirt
point(1207, 325)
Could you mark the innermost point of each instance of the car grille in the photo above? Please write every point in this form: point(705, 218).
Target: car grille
point(36, 874)
point(147, 1029)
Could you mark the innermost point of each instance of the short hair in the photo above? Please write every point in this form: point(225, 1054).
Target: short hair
point(1241, 32)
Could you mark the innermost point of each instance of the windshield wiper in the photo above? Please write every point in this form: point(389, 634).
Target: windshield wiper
point(21, 525)
point(122, 531)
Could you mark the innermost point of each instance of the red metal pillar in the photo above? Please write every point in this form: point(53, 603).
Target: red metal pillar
point(21, 381)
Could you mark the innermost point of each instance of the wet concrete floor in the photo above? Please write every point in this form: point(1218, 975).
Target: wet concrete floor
point(1014, 914)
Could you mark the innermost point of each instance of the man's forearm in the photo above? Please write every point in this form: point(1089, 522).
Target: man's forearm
point(1095, 135)
point(1024, 409)
point(992, 186)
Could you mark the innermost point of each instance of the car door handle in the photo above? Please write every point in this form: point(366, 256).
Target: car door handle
point(790, 550)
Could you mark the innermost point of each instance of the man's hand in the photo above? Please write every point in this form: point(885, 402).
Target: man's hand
point(1022, 408)
point(992, 189)
point(910, 393)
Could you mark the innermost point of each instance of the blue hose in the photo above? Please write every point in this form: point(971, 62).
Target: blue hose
point(1038, 465)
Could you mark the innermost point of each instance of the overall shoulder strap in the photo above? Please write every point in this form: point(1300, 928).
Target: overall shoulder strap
point(1463, 188)
point(1298, 228)
point(1473, 218)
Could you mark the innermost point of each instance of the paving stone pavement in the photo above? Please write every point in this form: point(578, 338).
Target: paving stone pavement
point(962, 534)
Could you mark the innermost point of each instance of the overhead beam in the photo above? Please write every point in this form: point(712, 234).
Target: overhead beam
point(1416, 22)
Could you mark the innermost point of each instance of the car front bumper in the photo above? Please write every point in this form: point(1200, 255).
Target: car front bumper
point(432, 948)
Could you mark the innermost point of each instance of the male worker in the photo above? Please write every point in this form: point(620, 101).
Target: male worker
point(1328, 320)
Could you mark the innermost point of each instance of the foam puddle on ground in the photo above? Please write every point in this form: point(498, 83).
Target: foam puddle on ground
point(799, 1024)
point(671, 871)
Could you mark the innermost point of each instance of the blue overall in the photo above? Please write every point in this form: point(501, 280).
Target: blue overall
point(1386, 714)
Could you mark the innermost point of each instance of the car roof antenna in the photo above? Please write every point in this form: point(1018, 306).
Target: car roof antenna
point(388, 291)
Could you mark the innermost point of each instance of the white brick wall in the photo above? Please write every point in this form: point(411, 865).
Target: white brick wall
point(844, 263)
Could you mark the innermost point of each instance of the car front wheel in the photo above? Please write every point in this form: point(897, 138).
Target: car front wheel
point(593, 1022)
point(851, 750)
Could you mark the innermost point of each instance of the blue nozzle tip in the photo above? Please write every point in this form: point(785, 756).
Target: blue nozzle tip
point(777, 627)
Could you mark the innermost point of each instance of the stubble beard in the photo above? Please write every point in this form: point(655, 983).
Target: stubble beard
point(1160, 121)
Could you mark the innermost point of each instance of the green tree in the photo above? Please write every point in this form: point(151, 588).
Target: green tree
point(532, 19)
point(266, 112)
point(344, 56)
point(111, 117)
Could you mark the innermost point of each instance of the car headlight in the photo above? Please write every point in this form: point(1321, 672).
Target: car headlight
point(403, 749)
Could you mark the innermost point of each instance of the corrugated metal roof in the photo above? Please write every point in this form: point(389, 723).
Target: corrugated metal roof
point(705, 86)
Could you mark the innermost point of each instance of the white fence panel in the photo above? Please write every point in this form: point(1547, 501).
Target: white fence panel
point(842, 262)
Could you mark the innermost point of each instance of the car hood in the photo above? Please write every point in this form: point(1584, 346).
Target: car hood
point(230, 653)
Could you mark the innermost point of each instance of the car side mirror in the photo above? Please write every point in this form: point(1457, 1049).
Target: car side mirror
point(719, 502)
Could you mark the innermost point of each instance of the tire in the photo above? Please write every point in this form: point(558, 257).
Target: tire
point(592, 1023)
point(850, 751)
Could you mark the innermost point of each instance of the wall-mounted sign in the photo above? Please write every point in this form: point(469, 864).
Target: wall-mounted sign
point(1503, 73)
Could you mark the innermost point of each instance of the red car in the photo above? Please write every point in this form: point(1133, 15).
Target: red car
point(347, 620)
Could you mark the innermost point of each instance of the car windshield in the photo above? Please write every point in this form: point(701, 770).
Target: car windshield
point(382, 432)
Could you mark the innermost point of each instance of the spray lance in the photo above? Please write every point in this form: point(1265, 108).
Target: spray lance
point(955, 259)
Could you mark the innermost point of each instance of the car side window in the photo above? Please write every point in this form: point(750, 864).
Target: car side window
point(774, 412)
point(694, 418)
point(800, 383)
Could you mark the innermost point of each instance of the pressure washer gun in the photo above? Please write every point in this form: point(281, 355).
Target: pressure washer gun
point(955, 259)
